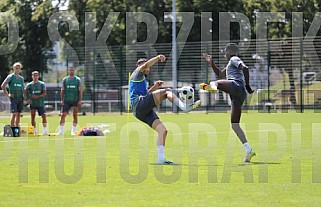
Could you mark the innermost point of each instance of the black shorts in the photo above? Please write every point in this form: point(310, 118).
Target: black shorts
point(237, 93)
point(41, 110)
point(144, 109)
point(67, 106)
point(16, 105)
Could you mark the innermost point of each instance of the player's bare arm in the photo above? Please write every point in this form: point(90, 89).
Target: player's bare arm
point(43, 94)
point(222, 74)
point(4, 88)
point(156, 86)
point(80, 96)
point(39, 96)
point(26, 94)
point(152, 62)
point(246, 77)
point(219, 73)
point(62, 94)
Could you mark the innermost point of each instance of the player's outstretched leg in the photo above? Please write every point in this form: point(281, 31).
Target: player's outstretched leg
point(192, 106)
point(162, 94)
point(178, 102)
point(196, 104)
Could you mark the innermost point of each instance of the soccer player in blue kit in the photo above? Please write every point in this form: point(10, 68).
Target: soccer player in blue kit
point(236, 83)
point(143, 100)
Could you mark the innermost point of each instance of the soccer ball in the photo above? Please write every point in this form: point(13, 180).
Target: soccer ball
point(186, 93)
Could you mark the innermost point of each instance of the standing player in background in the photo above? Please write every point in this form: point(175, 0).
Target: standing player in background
point(71, 97)
point(35, 92)
point(236, 85)
point(15, 93)
point(143, 100)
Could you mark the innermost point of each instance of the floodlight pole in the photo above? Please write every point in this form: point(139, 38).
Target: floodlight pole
point(174, 51)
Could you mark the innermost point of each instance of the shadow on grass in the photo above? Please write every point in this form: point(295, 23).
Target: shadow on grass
point(175, 164)
point(201, 165)
point(187, 165)
point(259, 163)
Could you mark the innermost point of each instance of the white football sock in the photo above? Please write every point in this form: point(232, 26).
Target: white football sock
point(161, 149)
point(178, 102)
point(247, 147)
point(73, 128)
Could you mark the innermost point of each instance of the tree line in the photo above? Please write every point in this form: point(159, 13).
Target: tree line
point(35, 47)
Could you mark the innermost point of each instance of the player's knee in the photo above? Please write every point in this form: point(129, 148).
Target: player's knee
point(168, 90)
point(165, 132)
point(235, 126)
point(162, 130)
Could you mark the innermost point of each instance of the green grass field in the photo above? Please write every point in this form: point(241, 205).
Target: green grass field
point(120, 170)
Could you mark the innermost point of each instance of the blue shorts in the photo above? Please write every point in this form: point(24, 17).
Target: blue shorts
point(143, 109)
point(16, 105)
point(67, 106)
point(237, 93)
point(41, 110)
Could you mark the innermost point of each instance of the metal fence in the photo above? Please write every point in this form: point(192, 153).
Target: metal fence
point(285, 74)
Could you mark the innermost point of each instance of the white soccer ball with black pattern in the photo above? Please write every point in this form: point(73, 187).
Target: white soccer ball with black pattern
point(186, 93)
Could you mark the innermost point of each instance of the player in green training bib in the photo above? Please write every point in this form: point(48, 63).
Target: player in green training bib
point(35, 92)
point(71, 97)
point(15, 83)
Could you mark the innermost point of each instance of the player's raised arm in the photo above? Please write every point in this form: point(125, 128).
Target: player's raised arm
point(219, 73)
point(152, 62)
